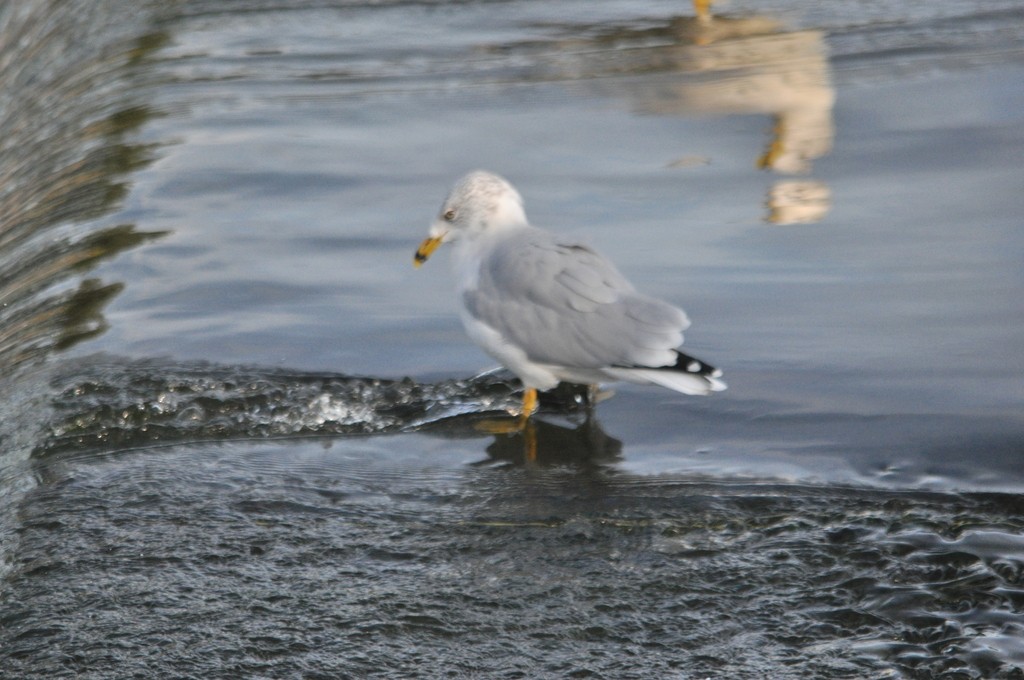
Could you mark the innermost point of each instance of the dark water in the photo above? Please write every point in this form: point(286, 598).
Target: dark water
point(241, 437)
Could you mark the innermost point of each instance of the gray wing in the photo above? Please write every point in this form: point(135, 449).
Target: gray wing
point(564, 304)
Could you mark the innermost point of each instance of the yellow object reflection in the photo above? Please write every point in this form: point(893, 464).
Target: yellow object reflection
point(714, 65)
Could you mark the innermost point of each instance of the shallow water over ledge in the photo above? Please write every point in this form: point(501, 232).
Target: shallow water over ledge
point(341, 557)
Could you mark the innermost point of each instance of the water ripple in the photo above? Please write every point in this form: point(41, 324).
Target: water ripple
point(106, 404)
point(230, 566)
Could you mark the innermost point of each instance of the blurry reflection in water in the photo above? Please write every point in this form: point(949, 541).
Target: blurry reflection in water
point(714, 66)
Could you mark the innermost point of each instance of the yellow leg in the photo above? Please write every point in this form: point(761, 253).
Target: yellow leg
point(520, 421)
point(527, 426)
point(529, 404)
point(521, 424)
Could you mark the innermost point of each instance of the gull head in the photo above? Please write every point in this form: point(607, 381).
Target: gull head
point(479, 202)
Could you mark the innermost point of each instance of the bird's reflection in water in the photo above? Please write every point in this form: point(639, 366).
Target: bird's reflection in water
point(546, 443)
point(798, 201)
point(564, 432)
point(717, 65)
point(753, 65)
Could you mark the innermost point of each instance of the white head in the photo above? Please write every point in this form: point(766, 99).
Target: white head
point(480, 201)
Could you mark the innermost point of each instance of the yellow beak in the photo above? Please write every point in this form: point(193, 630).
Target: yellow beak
point(428, 246)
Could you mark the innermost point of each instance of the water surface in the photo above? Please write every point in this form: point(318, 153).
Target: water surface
point(241, 435)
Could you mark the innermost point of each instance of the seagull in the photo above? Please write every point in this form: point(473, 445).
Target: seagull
point(550, 309)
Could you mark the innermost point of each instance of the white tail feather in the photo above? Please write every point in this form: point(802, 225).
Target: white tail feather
point(687, 383)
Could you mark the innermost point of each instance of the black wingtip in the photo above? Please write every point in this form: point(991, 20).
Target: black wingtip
point(688, 364)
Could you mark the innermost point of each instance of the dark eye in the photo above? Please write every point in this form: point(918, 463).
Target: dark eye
point(450, 215)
